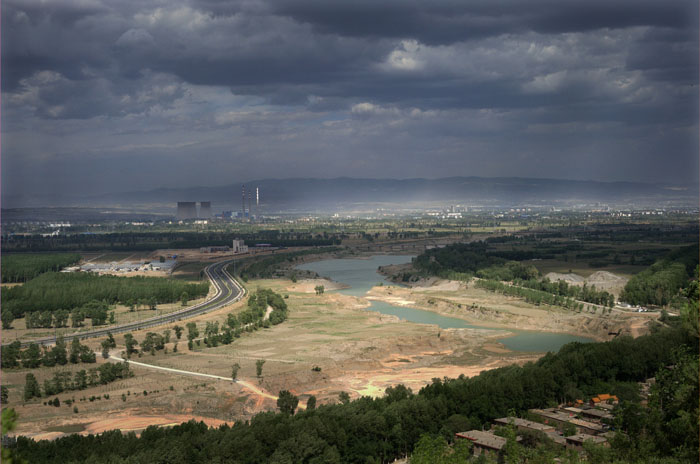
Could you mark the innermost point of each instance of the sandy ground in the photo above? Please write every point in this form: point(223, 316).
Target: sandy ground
point(603, 280)
point(308, 285)
point(478, 306)
point(130, 421)
point(329, 344)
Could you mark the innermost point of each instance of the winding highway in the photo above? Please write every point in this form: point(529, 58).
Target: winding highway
point(228, 291)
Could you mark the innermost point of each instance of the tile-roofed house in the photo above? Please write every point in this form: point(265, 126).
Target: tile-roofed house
point(552, 416)
point(584, 426)
point(572, 410)
point(576, 441)
point(524, 424)
point(485, 442)
point(556, 438)
point(559, 419)
point(603, 398)
point(597, 414)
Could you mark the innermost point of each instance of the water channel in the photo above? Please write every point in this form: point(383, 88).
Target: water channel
point(361, 275)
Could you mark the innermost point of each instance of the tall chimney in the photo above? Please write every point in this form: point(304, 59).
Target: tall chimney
point(243, 202)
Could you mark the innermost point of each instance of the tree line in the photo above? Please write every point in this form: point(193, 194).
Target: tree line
point(539, 297)
point(214, 333)
point(54, 291)
point(248, 320)
point(659, 284)
point(563, 289)
point(265, 268)
point(80, 380)
point(13, 356)
point(148, 241)
point(24, 267)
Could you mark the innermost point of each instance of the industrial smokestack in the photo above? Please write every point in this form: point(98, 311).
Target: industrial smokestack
point(243, 202)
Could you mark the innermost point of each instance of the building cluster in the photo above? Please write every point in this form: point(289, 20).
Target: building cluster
point(214, 249)
point(124, 266)
point(569, 426)
point(238, 247)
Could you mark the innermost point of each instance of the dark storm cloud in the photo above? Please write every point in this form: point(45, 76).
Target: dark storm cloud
point(300, 85)
point(449, 21)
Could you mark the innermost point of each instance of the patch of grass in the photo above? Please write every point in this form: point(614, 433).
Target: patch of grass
point(68, 428)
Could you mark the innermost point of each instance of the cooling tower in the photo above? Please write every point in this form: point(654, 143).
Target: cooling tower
point(186, 210)
point(205, 210)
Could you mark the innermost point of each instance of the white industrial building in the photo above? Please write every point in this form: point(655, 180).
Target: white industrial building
point(239, 247)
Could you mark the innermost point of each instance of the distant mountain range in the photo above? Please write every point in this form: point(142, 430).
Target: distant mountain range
point(310, 194)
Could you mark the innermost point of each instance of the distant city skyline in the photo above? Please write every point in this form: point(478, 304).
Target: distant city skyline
point(101, 97)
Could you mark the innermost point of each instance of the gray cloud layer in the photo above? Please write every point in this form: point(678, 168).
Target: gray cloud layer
point(106, 96)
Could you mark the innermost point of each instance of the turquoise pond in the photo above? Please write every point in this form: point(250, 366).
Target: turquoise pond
point(361, 275)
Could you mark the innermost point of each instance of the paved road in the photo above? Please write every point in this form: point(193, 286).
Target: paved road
point(228, 291)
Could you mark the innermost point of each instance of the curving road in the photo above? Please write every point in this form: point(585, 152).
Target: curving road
point(228, 291)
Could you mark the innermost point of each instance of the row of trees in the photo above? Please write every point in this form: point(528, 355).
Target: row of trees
point(34, 356)
point(248, 320)
point(96, 311)
point(54, 291)
point(80, 380)
point(24, 267)
point(383, 429)
point(536, 297)
point(215, 334)
point(563, 289)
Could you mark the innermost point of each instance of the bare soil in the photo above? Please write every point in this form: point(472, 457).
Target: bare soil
point(329, 344)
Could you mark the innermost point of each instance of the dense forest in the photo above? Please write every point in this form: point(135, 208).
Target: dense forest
point(55, 291)
point(462, 261)
point(466, 258)
point(382, 429)
point(24, 267)
point(147, 241)
point(265, 268)
point(659, 284)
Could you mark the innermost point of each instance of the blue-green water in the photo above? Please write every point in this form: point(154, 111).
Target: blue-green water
point(361, 275)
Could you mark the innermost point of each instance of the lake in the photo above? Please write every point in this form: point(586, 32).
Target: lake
point(361, 275)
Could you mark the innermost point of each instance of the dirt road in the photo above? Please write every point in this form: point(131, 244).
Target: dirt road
point(242, 383)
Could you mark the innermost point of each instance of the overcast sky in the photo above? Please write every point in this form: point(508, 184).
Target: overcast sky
point(105, 96)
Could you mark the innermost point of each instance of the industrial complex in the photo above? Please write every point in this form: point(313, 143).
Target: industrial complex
point(189, 210)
